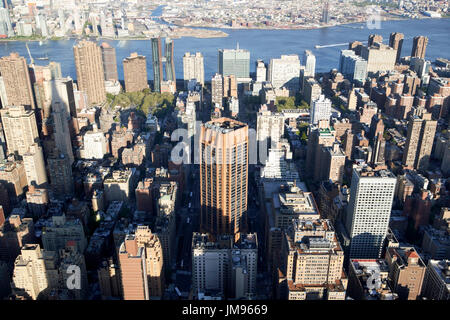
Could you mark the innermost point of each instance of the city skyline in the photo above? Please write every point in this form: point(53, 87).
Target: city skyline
point(319, 174)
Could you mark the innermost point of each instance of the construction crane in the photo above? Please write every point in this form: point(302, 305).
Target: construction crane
point(29, 53)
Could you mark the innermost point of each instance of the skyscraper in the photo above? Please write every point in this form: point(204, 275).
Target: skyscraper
point(311, 245)
point(135, 73)
point(223, 266)
point(90, 72)
point(223, 176)
point(229, 86)
point(325, 13)
point(261, 71)
point(158, 61)
point(379, 57)
point(109, 62)
point(141, 264)
point(353, 66)
point(217, 90)
point(369, 210)
point(157, 64)
point(30, 271)
point(421, 132)
point(60, 174)
point(374, 38)
point(33, 161)
point(61, 130)
point(234, 61)
point(285, 72)
point(419, 47)
point(19, 125)
point(396, 42)
point(16, 79)
point(170, 63)
point(5, 23)
point(320, 109)
point(193, 68)
point(310, 63)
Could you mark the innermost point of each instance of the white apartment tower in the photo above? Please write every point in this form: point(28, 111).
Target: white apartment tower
point(221, 267)
point(193, 67)
point(261, 71)
point(320, 110)
point(33, 161)
point(369, 210)
point(285, 72)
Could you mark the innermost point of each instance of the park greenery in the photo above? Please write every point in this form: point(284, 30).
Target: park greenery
point(145, 101)
point(296, 102)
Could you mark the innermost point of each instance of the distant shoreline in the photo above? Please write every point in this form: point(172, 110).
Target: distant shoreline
point(219, 31)
point(301, 27)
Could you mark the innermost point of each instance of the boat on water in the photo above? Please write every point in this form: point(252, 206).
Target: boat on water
point(42, 58)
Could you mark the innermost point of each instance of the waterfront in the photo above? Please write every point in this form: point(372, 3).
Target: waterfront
point(263, 44)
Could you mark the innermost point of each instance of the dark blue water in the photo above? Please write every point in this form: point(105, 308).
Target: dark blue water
point(263, 44)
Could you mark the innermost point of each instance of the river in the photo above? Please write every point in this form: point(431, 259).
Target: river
point(262, 44)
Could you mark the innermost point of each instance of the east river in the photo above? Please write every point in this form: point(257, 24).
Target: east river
point(262, 44)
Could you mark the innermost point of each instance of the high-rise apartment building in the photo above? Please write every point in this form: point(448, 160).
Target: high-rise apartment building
point(109, 62)
point(311, 90)
point(109, 279)
point(59, 230)
point(223, 176)
point(379, 57)
point(141, 265)
point(16, 80)
point(288, 203)
point(33, 161)
point(320, 110)
point(406, 272)
point(60, 174)
point(94, 144)
point(42, 274)
point(312, 262)
point(234, 61)
point(353, 66)
point(419, 47)
point(374, 38)
point(285, 73)
point(223, 266)
point(217, 90)
point(30, 271)
point(270, 128)
point(90, 72)
point(435, 284)
point(332, 164)
point(322, 135)
point(193, 68)
point(310, 64)
point(19, 125)
point(5, 22)
point(420, 138)
point(229, 87)
point(396, 42)
point(135, 73)
point(261, 71)
point(369, 210)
